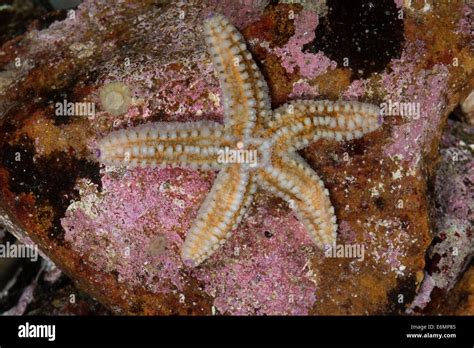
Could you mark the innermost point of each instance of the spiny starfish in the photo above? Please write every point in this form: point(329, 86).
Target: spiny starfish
point(250, 127)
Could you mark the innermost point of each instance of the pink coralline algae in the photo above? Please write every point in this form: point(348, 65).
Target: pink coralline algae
point(292, 57)
point(355, 90)
point(424, 89)
point(465, 23)
point(265, 269)
point(132, 224)
point(423, 296)
point(246, 11)
point(68, 32)
point(137, 224)
point(303, 90)
point(399, 3)
point(176, 88)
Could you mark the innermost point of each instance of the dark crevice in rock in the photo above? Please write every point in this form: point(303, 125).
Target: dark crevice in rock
point(55, 298)
point(402, 294)
point(364, 34)
point(16, 16)
point(26, 271)
point(355, 147)
point(51, 179)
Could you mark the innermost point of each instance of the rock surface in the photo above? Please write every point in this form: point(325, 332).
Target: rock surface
point(118, 232)
point(452, 248)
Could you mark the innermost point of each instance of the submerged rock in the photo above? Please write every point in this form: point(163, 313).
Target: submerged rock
point(452, 248)
point(117, 232)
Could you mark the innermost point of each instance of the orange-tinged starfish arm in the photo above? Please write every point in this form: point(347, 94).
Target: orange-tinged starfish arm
point(291, 178)
point(244, 90)
point(221, 212)
point(193, 145)
point(299, 123)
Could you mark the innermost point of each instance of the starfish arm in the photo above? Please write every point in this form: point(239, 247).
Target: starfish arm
point(299, 123)
point(290, 178)
point(245, 93)
point(220, 213)
point(193, 145)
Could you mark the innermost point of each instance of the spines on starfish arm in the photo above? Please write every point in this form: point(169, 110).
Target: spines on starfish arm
point(290, 178)
point(299, 123)
point(221, 212)
point(245, 92)
point(193, 145)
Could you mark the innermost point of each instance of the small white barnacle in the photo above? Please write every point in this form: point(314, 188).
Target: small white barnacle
point(115, 98)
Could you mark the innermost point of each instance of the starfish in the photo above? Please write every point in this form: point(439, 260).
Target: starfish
point(255, 146)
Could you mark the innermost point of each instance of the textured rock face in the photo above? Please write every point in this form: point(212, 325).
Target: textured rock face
point(118, 232)
point(453, 246)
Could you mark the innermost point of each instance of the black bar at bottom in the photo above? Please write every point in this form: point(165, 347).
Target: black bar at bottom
point(452, 331)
